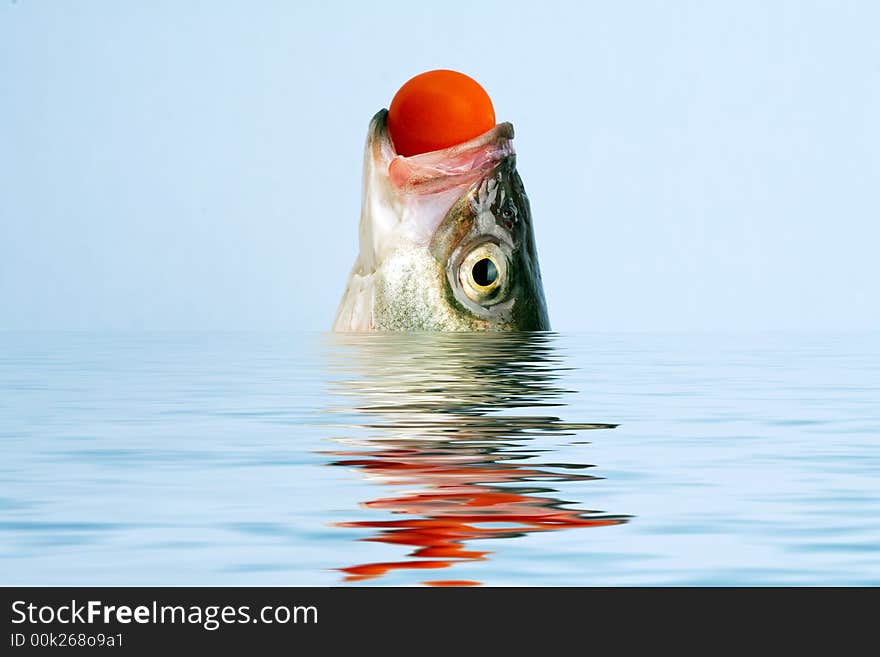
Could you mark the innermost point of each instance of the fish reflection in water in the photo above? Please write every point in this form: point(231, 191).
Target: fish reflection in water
point(436, 408)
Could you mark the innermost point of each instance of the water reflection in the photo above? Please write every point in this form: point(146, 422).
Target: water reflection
point(433, 412)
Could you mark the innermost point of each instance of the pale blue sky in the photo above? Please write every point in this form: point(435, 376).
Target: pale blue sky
point(186, 165)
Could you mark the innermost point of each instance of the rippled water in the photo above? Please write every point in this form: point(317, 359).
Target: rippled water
point(398, 459)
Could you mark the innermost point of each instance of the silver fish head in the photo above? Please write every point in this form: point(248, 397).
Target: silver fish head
point(446, 241)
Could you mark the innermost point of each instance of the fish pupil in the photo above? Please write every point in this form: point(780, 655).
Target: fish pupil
point(484, 272)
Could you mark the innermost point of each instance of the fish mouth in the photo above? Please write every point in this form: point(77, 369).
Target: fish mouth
point(441, 170)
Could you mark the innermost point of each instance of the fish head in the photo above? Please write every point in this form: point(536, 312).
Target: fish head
point(486, 246)
point(446, 240)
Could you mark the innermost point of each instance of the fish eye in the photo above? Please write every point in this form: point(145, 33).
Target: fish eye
point(483, 274)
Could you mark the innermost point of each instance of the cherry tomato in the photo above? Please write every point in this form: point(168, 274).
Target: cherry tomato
point(436, 110)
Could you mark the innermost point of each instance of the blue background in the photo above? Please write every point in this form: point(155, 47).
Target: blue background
point(173, 165)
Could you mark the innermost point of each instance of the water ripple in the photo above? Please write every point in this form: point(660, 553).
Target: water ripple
point(435, 407)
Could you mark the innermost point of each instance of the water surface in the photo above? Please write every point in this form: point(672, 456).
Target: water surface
point(438, 459)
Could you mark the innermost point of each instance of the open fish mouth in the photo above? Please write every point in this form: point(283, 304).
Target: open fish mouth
point(456, 166)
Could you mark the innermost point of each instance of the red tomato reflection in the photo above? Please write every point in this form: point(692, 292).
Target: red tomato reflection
point(460, 502)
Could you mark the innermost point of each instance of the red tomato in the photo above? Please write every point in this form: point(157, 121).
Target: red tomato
point(436, 110)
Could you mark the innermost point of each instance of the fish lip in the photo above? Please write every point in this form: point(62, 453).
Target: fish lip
point(443, 169)
point(500, 132)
